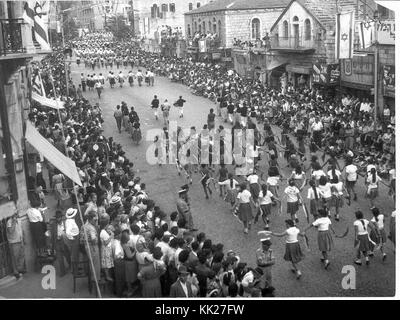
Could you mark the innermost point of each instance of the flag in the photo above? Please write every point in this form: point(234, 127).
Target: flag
point(37, 84)
point(366, 32)
point(344, 35)
point(36, 15)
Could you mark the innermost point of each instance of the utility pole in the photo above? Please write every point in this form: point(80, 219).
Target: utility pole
point(376, 73)
point(133, 18)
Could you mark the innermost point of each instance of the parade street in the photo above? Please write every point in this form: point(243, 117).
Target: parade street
point(214, 216)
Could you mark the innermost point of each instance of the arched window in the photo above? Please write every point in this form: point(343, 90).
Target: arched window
point(285, 29)
point(198, 4)
point(154, 11)
point(188, 30)
point(199, 26)
point(209, 26)
point(195, 26)
point(214, 26)
point(219, 28)
point(255, 28)
point(295, 19)
point(190, 6)
point(172, 7)
point(307, 29)
point(204, 27)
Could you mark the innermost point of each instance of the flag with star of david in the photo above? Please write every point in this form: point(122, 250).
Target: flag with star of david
point(344, 35)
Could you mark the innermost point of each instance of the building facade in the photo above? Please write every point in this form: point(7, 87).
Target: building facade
point(157, 13)
point(17, 49)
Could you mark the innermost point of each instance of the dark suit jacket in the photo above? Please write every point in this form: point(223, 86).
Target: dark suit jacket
point(176, 290)
point(193, 261)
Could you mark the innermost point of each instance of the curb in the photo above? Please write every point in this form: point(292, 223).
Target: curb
point(9, 281)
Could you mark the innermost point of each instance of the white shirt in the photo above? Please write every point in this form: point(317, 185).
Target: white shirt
point(247, 279)
point(370, 166)
point(322, 223)
point(253, 178)
point(370, 182)
point(360, 228)
point(184, 287)
point(379, 221)
point(317, 126)
point(265, 199)
point(326, 190)
point(34, 215)
point(38, 167)
point(338, 188)
point(392, 173)
point(244, 196)
point(330, 174)
point(318, 174)
point(291, 235)
point(292, 193)
point(273, 181)
point(351, 171)
point(71, 228)
point(311, 193)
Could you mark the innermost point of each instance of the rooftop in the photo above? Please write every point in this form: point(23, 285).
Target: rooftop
point(223, 5)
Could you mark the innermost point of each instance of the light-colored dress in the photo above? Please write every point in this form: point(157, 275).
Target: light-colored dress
point(60, 192)
point(107, 260)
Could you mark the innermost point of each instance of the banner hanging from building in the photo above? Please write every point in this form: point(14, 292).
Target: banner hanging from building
point(389, 83)
point(344, 39)
point(36, 15)
point(366, 30)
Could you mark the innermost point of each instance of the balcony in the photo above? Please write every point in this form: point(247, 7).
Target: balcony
point(294, 44)
point(11, 40)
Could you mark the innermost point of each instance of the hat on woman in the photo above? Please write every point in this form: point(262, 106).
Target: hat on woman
point(71, 212)
point(115, 199)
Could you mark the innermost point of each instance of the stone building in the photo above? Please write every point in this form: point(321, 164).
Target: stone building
point(17, 49)
point(157, 13)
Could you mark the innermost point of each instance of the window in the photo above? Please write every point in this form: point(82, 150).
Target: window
point(295, 19)
point(255, 28)
point(198, 4)
point(195, 27)
point(214, 26)
point(164, 7)
point(172, 7)
point(190, 6)
point(285, 29)
point(209, 26)
point(188, 30)
point(154, 11)
point(204, 27)
point(219, 28)
point(199, 27)
point(307, 29)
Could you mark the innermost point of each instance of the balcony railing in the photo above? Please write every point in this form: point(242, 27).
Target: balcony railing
point(294, 43)
point(11, 36)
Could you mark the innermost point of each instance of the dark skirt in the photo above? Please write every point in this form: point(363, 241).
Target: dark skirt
point(337, 201)
point(293, 252)
point(266, 209)
point(325, 241)
point(378, 236)
point(364, 243)
point(314, 206)
point(292, 207)
point(255, 190)
point(131, 270)
point(245, 213)
point(373, 193)
point(136, 135)
point(328, 202)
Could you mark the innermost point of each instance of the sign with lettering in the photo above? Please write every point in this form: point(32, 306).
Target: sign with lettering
point(358, 70)
point(388, 80)
point(385, 32)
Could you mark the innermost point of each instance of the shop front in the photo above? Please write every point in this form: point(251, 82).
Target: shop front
point(357, 76)
point(388, 86)
point(300, 76)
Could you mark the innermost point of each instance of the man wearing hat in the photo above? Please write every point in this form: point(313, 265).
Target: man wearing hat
point(265, 261)
point(57, 229)
point(181, 288)
point(184, 209)
point(72, 234)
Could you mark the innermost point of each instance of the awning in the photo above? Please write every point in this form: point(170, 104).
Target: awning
point(51, 103)
point(51, 153)
point(276, 64)
point(298, 69)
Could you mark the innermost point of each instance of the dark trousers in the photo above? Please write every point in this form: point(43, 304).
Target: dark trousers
point(62, 254)
point(40, 181)
point(83, 86)
point(119, 123)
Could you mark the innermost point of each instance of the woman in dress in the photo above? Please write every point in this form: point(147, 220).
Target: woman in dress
point(61, 193)
point(314, 195)
point(136, 132)
point(361, 237)
point(299, 177)
point(372, 181)
point(325, 241)
point(244, 202)
point(231, 190)
point(293, 252)
point(378, 233)
point(326, 190)
point(337, 195)
point(265, 199)
point(292, 194)
point(106, 237)
point(150, 274)
point(274, 175)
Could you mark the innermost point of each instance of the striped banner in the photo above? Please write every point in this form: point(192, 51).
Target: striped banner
point(37, 84)
point(36, 15)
